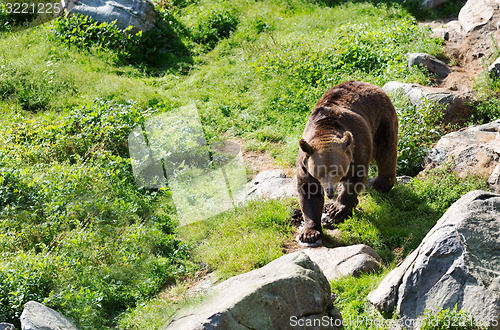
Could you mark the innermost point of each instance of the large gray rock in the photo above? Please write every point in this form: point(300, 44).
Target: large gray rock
point(344, 261)
point(455, 105)
point(287, 290)
point(475, 13)
point(269, 184)
point(137, 13)
point(430, 63)
point(37, 316)
point(475, 150)
point(457, 263)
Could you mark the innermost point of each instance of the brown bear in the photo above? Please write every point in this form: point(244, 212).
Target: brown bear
point(351, 125)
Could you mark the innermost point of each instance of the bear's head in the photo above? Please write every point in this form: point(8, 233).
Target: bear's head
point(328, 160)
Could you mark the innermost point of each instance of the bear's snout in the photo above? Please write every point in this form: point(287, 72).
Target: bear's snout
point(330, 192)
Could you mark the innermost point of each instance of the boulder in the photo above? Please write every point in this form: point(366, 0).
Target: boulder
point(475, 13)
point(430, 63)
point(289, 290)
point(344, 261)
point(475, 150)
point(37, 316)
point(457, 264)
point(140, 14)
point(455, 105)
point(269, 184)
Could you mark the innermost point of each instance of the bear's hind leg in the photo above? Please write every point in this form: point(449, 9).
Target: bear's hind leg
point(386, 157)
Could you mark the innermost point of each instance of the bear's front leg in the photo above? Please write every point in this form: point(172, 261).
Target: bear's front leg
point(311, 201)
point(346, 200)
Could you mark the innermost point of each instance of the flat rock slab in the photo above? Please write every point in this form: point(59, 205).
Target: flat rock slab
point(457, 264)
point(37, 316)
point(289, 290)
point(344, 261)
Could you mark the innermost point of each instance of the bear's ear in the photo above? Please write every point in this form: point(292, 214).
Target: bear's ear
point(306, 147)
point(347, 140)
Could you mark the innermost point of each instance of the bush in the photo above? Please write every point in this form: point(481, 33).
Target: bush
point(84, 32)
point(213, 26)
point(419, 127)
point(486, 112)
point(104, 244)
point(87, 131)
point(153, 47)
point(26, 277)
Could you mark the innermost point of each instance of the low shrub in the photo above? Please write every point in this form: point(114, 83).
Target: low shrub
point(485, 112)
point(156, 47)
point(214, 25)
point(84, 32)
point(88, 130)
point(419, 127)
point(85, 240)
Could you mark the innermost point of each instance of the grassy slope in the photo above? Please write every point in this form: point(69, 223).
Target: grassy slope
point(80, 236)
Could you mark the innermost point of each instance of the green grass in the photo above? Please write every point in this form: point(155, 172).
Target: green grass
point(76, 232)
point(243, 239)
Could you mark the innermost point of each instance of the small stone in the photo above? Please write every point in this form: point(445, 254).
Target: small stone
point(404, 179)
point(430, 63)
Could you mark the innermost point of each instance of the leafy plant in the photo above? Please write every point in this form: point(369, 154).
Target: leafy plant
point(486, 111)
point(90, 130)
point(84, 32)
point(213, 26)
point(419, 127)
point(152, 48)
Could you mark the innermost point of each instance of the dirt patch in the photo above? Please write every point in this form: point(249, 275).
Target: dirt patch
point(467, 53)
point(188, 288)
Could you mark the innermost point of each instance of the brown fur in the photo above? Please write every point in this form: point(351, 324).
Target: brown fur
point(351, 125)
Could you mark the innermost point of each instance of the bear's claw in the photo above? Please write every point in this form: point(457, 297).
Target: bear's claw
point(339, 212)
point(309, 236)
